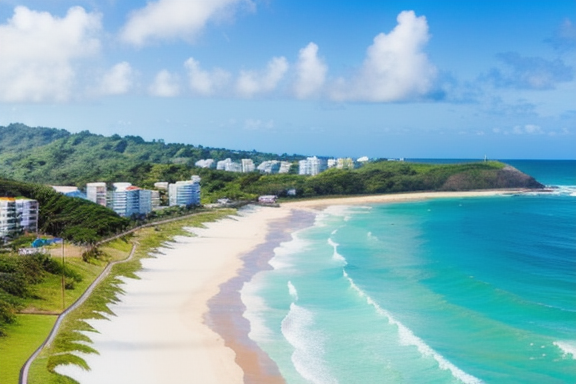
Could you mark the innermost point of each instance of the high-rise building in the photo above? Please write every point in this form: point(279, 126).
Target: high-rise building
point(28, 212)
point(184, 193)
point(128, 200)
point(96, 192)
point(17, 215)
point(9, 223)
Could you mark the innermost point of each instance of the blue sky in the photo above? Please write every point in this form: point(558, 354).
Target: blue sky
point(448, 79)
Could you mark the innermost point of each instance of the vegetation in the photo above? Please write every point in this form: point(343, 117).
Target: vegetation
point(71, 218)
point(69, 340)
point(58, 157)
point(20, 275)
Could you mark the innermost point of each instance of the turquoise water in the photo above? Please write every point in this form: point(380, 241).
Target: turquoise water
point(440, 291)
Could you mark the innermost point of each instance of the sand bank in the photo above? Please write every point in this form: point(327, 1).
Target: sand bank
point(390, 198)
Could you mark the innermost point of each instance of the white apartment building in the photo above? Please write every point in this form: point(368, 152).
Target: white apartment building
point(127, 200)
point(96, 192)
point(248, 166)
point(205, 163)
point(285, 167)
point(9, 224)
point(184, 193)
point(229, 165)
point(28, 212)
point(269, 166)
point(311, 166)
point(17, 215)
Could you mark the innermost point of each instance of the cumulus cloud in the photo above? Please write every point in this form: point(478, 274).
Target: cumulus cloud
point(529, 72)
point(165, 85)
point(174, 19)
point(310, 72)
point(117, 80)
point(205, 82)
point(395, 68)
point(39, 52)
point(250, 83)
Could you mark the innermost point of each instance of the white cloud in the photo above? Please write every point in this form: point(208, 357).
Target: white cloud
point(38, 51)
point(395, 67)
point(172, 19)
point(310, 72)
point(250, 83)
point(117, 80)
point(529, 129)
point(205, 82)
point(165, 85)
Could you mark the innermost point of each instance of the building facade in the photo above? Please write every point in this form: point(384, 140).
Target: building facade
point(97, 193)
point(311, 166)
point(128, 200)
point(17, 215)
point(184, 193)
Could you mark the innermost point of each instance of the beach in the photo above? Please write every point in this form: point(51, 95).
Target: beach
point(164, 329)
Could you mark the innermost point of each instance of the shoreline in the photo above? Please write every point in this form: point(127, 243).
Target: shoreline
point(184, 317)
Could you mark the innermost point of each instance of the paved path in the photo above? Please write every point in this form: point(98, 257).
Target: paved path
point(25, 369)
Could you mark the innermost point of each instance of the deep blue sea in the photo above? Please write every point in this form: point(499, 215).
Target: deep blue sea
point(460, 290)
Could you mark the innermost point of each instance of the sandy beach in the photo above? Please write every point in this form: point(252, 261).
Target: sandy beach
point(164, 331)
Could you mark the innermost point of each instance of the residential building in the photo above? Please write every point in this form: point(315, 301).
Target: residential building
point(184, 193)
point(205, 163)
point(248, 166)
point(155, 197)
point(27, 211)
point(285, 167)
point(127, 200)
point(312, 166)
point(346, 163)
point(17, 215)
point(229, 165)
point(269, 166)
point(9, 223)
point(96, 192)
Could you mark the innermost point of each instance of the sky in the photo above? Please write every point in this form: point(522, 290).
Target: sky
point(342, 78)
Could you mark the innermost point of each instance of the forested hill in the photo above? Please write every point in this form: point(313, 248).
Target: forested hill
point(57, 157)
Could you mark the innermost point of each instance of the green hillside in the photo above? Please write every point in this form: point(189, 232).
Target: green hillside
point(57, 157)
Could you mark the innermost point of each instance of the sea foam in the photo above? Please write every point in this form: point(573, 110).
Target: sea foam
point(335, 255)
point(568, 347)
point(308, 343)
point(407, 337)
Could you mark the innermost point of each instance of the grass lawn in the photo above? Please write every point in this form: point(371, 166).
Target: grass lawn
point(24, 337)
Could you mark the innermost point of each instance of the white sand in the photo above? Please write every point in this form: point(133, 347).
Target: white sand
point(158, 335)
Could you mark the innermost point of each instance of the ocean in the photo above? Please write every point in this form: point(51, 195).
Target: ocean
point(460, 290)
